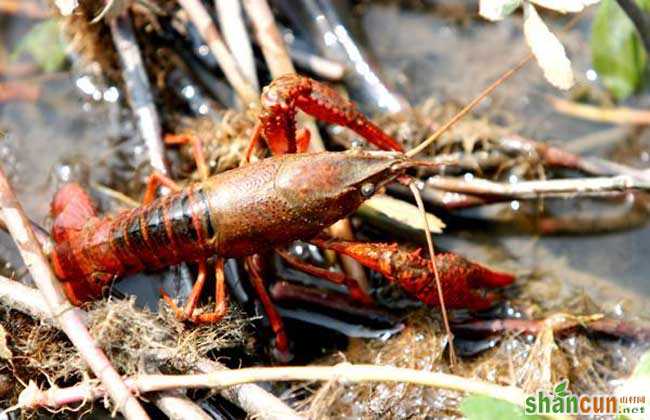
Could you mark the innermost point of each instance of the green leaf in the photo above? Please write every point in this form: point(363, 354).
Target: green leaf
point(43, 43)
point(617, 52)
point(479, 407)
point(560, 389)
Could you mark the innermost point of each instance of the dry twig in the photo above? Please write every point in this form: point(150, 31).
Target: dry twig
point(534, 189)
point(139, 90)
point(619, 115)
point(203, 22)
point(68, 317)
point(233, 26)
point(343, 372)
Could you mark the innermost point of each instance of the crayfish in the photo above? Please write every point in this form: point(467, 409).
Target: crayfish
point(265, 205)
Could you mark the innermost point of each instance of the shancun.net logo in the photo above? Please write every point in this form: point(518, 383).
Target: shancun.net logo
point(561, 401)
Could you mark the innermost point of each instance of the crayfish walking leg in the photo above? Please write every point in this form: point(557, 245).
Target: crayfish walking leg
point(252, 263)
point(220, 298)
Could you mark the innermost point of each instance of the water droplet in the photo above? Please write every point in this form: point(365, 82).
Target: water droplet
point(368, 189)
point(203, 50)
point(111, 94)
point(591, 75)
point(188, 92)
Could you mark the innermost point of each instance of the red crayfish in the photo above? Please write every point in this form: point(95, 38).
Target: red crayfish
point(258, 206)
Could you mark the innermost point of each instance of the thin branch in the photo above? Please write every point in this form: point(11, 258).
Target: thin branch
point(320, 66)
point(344, 372)
point(139, 90)
point(233, 26)
point(269, 37)
point(617, 115)
point(23, 298)
point(640, 20)
point(30, 9)
point(257, 402)
point(177, 406)
point(555, 156)
point(68, 317)
point(210, 34)
point(534, 189)
point(487, 91)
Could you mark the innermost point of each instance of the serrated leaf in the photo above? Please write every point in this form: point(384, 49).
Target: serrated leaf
point(547, 49)
point(565, 6)
point(618, 55)
point(497, 9)
point(479, 407)
point(5, 353)
point(43, 43)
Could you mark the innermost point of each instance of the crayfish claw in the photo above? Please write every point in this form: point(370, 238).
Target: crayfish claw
point(460, 278)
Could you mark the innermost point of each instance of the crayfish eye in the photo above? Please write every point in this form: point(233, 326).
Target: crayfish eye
point(368, 189)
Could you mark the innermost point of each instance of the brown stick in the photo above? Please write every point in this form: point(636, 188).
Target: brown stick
point(19, 91)
point(201, 19)
point(28, 9)
point(532, 189)
point(257, 402)
point(139, 90)
point(177, 406)
point(231, 20)
point(619, 115)
point(68, 317)
point(345, 372)
point(23, 298)
point(269, 37)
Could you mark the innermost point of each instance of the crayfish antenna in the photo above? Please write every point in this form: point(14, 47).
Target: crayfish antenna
point(432, 255)
point(488, 90)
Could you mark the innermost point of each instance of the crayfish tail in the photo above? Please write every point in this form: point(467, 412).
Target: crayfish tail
point(71, 208)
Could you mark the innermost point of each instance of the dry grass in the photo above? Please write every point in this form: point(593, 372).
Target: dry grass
point(224, 141)
point(131, 337)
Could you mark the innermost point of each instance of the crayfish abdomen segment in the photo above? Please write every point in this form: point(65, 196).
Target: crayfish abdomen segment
point(90, 253)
